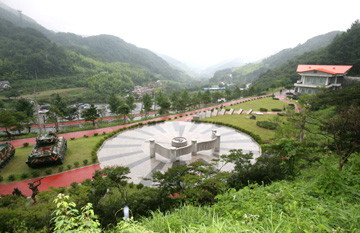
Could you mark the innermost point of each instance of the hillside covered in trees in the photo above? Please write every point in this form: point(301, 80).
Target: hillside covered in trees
point(32, 54)
point(249, 72)
point(344, 50)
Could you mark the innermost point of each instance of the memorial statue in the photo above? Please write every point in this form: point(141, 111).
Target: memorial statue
point(34, 188)
point(17, 192)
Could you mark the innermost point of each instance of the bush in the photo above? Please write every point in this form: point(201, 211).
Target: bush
point(275, 98)
point(26, 144)
point(85, 161)
point(1, 178)
point(74, 184)
point(263, 110)
point(85, 136)
point(276, 110)
point(60, 168)
point(72, 138)
point(96, 134)
point(24, 175)
point(266, 124)
point(11, 178)
point(103, 133)
point(131, 185)
point(76, 164)
point(68, 166)
point(48, 171)
point(35, 173)
point(140, 186)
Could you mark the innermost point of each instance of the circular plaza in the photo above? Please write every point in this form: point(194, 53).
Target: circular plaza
point(131, 148)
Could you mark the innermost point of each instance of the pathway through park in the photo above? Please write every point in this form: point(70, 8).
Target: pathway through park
point(81, 174)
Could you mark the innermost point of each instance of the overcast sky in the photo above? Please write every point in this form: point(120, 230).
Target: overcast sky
point(202, 32)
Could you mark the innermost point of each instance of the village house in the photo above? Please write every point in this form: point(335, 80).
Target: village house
point(316, 76)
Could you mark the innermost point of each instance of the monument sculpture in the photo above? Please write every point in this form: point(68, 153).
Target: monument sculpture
point(34, 188)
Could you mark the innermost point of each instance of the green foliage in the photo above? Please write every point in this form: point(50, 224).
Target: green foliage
point(67, 218)
point(11, 178)
point(35, 173)
point(76, 164)
point(266, 124)
point(48, 171)
point(25, 144)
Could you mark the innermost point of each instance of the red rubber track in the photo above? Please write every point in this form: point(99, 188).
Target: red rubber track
point(81, 174)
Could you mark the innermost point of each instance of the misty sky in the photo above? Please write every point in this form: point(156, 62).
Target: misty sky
point(201, 32)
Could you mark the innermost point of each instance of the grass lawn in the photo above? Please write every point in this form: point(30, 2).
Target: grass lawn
point(248, 124)
point(255, 105)
point(78, 150)
point(62, 92)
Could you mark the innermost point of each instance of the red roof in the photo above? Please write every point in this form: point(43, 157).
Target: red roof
point(331, 69)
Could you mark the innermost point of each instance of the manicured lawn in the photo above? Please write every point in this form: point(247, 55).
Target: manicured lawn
point(248, 124)
point(255, 105)
point(78, 150)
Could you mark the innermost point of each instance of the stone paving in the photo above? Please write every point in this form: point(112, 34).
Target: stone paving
point(131, 148)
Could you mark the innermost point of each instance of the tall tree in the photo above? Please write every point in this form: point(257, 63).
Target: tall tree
point(24, 105)
point(114, 103)
point(124, 110)
point(53, 116)
point(7, 121)
point(90, 114)
point(147, 103)
point(130, 101)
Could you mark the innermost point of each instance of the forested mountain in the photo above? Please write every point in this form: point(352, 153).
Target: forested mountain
point(107, 48)
point(66, 60)
point(250, 72)
point(344, 50)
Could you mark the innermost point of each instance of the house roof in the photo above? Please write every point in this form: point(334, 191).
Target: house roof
point(331, 69)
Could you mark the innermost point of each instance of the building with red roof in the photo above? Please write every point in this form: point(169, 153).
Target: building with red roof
point(316, 76)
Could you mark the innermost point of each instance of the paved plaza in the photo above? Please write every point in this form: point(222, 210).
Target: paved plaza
point(131, 148)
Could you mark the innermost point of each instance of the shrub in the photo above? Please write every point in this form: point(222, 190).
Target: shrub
point(76, 164)
point(103, 133)
point(131, 185)
point(68, 166)
point(24, 175)
point(26, 144)
point(11, 178)
point(275, 98)
point(48, 171)
point(276, 110)
point(96, 134)
point(140, 186)
point(175, 118)
point(266, 124)
point(94, 159)
point(35, 173)
point(1, 178)
point(280, 114)
point(263, 110)
point(85, 161)
point(60, 168)
point(74, 184)
point(85, 136)
point(72, 138)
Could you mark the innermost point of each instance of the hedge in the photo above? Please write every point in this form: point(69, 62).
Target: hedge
point(266, 124)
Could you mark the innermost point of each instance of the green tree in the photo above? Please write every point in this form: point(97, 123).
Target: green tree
point(147, 103)
point(344, 131)
point(206, 97)
point(12, 93)
point(164, 103)
point(53, 116)
point(7, 121)
point(24, 105)
point(90, 114)
point(124, 110)
point(114, 103)
point(130, 101)
point(59, 103)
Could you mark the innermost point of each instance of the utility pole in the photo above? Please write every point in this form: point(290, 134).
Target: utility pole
point(37, 107)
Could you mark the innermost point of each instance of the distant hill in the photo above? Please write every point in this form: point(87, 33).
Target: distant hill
point(343, 50)
point(179, 65)
point(249, 72)
point(104, 48)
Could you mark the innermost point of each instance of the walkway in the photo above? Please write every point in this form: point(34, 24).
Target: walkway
point(80, 174)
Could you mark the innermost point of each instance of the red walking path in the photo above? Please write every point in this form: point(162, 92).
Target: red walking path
point(81, 174)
